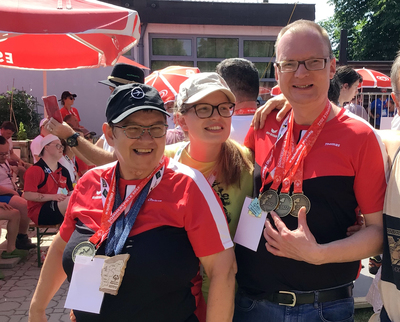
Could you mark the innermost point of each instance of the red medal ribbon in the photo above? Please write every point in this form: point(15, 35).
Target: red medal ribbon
point(245, 111)
point(108, 217)
point(292, 156)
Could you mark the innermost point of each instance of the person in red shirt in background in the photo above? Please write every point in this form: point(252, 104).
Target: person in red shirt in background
point(67, 99)
point(48, 185)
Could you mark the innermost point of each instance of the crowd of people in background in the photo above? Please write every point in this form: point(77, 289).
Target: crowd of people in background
point(298, 184)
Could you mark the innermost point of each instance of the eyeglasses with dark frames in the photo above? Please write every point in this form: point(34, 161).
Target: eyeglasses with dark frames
point(136, 131)
point(204, 110)
point(57, 145)
point(4, 154)
point(71, 98)
point(291, 66)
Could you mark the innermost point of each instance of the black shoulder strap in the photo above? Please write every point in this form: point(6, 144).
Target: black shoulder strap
point(46, 175)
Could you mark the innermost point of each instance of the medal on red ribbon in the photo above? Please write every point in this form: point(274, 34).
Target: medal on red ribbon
point(289, 168)
point(108, 217)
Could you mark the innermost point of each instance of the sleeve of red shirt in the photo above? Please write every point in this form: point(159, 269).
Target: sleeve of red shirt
point(370, 179)
point(206, 225)
point(249, 139)
point(33, 177)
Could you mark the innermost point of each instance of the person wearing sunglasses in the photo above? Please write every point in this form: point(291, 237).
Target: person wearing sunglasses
point(67, 100)
point(48, 184)
point(204, 109)
point(163, 214)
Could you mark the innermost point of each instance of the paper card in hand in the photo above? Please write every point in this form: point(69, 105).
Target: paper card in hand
point(51, 107)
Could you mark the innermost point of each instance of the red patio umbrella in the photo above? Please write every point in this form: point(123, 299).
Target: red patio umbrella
point(264, 91)
point(64, 34)
point(373, 79)
point(125, 60)
point(168, 80)
point(275, 90)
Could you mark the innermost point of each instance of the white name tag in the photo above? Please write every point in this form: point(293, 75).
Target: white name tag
point(83, 294)
point(250, 227)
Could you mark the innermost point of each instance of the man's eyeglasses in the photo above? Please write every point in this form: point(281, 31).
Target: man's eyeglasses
point(204, 111)
point(71, 98)
point(136, 131)
point(291, 66)
point(58, 146)
point(4, 154)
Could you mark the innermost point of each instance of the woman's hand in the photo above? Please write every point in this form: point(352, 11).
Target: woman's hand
point(5, 206)
point(72, 316)
point(59, 197)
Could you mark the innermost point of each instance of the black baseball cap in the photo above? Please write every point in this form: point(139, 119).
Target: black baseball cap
point(123, 74)
point(66, 94)
point(130, 98)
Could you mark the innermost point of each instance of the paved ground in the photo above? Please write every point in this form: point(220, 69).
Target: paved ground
point(16, 290)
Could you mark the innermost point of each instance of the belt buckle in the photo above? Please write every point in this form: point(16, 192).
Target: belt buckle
point(292, 294)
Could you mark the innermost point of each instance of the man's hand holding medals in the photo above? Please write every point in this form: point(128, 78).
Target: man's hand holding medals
point(298, 244)
point(288, 170)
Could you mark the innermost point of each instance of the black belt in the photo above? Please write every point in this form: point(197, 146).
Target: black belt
point(293, 298)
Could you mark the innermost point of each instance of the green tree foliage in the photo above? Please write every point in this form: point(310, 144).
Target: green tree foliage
point(25, 110)
point(21, 135)
point(332, 28)
point(373, 27)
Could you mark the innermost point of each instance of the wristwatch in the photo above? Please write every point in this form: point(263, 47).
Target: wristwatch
point(73, 140)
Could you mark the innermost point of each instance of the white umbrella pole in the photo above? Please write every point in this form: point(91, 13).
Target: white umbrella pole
point(45, 89)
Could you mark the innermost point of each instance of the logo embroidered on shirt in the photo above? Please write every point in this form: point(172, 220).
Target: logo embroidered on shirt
point(272, 133)
point(154, 200)
point(97, 196)
point(333, 144)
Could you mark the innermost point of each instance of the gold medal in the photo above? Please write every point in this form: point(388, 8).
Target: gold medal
point(300, 200)
point(285, 205)
point(85, 248)
point(269, 200)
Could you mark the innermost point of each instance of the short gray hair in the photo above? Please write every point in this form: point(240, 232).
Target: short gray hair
point(300, 25)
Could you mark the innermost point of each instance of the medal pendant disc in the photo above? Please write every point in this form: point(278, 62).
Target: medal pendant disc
point(269, 200)
point(85, 248)
point(300, 200)
point(285, 205)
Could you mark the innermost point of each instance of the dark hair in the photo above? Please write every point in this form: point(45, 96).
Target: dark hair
point(68, 117)
point(7, 125)
point(343, 75)
point(241, 75)
point(334, 91)
point(2, 140)
point(347, 75)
